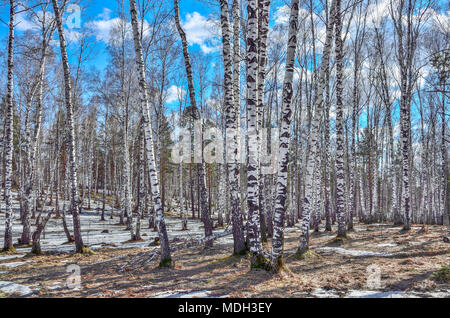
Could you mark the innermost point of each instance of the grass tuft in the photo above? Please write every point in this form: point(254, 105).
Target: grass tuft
point(8, 250)
point(258, 261)
point(306, 256)
point(442, 275)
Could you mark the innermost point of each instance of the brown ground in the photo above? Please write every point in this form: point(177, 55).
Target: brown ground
point(416, 257)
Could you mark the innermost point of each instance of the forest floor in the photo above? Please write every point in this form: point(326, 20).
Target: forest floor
point(411, 264)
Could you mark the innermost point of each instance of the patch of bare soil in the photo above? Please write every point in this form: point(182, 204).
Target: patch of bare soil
point(405, 262)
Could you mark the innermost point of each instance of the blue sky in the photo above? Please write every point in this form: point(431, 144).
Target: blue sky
point(102, 12)
point(100, 16)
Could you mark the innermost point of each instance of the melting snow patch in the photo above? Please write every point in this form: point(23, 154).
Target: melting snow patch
point(182, 294)
point(323, 293)
point(387, 245)
point(6, 257)
point(377, 294)
point(353, 252)
point(11, 288)
point(54, 286)
point(439, 294)
point(12, 265)
point(319, 293)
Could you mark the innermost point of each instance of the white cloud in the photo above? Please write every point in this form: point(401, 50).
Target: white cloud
point(281, 15)
point(199, 30)
point(174, 93)
point(72, 35)
point(106, 14)
point(102, 28)
point(31, 23)
point(378, 11)
point(202, 31)
point(24, 23)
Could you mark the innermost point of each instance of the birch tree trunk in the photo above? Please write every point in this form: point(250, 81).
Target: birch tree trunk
point(444, 161)
point(141, 183)
point(253, 224)
point(355, 102)
point(263, 30)
point(232, 134)
point(200, 167)
point(314, 135)
point(181, 194)
point(340, 169)
point(166, 260)
point(8, 137)
point(74, 196)
point(126, 201)
point(326, 159)
point(228, 99)
point(285, 136)
point(33, 143)
point(406, 28)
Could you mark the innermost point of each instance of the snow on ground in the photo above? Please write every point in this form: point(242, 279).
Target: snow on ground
point(378, 294)
point(7, 257)
point(12, 265)
point(184, 294)
point(394, 294)
point(357, 253)
point(387, 245)
point(324, 293)
point(54, 239)
point(11, 288)
point(55, 285)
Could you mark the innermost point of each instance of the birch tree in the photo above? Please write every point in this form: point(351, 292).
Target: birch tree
point(8, 136)
point(253, 223)
point(32, 139)
point(285, 137)
point(232, 130)
point(340, 171)
point(70, 133)
point(200, 166)
point(166, 260)
point(314, 134)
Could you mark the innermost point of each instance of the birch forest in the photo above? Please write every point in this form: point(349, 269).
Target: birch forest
point(225, 148)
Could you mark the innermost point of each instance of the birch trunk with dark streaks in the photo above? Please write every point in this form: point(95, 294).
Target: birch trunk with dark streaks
point(340, 143)
point(166, 260)
point(200, 166)
point(285, 136)
point(314, 134)
point(73, 167)
point(8, 137)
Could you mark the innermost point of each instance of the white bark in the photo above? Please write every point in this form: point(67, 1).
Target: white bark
point(8, 138)
point(74, 196)
point(160, 222)
point(314, 134)
point(285, 136)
